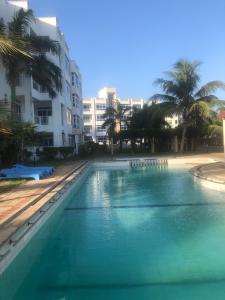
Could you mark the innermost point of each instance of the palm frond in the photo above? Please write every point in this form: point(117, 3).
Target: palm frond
point(215, 130)
point(209, 88)
point(46, 74)
point(7, 47)
point(42, 44)
point(200, 108)
point(20, 22)
point(163, 98)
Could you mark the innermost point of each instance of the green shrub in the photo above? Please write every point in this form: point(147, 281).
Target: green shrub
point(88, 149)
point(66, 151)
point(49, 152)
point(102, 148)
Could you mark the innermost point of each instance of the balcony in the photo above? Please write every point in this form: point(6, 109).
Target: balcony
point(44, 123)
point(38, 93)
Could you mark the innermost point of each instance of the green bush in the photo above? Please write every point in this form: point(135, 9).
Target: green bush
point(66, 151)
point(49, 152)
point(88, 149)
point(102, 148)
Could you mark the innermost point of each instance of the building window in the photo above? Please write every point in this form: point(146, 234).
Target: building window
point(76, 121)
point(137, 106)
point(71, 139)
point(87, 118)
point(100, 129)
point(62, 114)
point(67, 86)
point(124, 106)
point(87, 129)
point(101, 139)
point(73, 78)
point(18, 109)
point(69, 117)
point(35, 86)
point(88, 138)
point(44, 111)
point(100, 106)
point(100, 117)
point(87, 107)
point(123, 127)
point(77, 80)
point(75, 99)
point(46, 140)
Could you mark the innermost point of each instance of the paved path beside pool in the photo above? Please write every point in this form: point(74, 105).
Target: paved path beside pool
point(214, 172)
point(15, 200)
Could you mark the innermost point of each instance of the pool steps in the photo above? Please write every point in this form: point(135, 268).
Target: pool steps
point(148, 162)
point(37, 209)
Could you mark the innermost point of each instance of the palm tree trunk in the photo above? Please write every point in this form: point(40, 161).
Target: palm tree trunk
point(183, 139)
point(22, 150)
point(13, 100)
point(192, 145)
point(112, 148)
point(153, 145)
point(121, 141)
point(121, 145)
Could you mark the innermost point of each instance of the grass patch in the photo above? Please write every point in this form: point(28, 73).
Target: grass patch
point(8, 185)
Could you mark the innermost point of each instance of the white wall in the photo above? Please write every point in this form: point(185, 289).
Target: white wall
point(93, 112)
point(46, 26)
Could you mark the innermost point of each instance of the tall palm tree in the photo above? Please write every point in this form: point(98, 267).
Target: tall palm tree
point(37, 64)
point(115, 117)
point(183, 96)
point(9, 46)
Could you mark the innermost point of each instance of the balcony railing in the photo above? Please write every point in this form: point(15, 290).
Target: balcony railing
point(42, 120)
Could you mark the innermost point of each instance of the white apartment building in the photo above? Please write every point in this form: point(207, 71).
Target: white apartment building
point(94, 109)
point(60, 120)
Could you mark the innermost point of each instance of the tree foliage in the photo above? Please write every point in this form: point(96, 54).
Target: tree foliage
point(182, 95)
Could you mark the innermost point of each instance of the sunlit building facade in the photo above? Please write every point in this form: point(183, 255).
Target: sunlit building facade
point(94, 109)
point(59, 121)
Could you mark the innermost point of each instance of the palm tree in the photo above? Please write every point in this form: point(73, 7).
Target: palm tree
point(182, 95)
point(9, 46)
point(148, 123)
point(37, 65)
point(115, 117)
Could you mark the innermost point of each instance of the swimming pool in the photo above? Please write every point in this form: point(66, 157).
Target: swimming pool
point(144, 233)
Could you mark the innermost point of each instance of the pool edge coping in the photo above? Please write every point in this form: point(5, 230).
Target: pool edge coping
point(16, 241)
point(207, 180)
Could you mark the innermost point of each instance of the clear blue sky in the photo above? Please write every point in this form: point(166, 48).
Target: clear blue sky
point(129, 43)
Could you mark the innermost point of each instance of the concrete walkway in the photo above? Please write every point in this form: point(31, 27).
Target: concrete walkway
point(214, 172)
point(15, 200)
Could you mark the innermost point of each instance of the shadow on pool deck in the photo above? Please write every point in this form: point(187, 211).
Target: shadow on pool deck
point(11, 201)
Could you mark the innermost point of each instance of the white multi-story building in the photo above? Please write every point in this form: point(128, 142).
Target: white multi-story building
point(60, 120)
point(94, 109)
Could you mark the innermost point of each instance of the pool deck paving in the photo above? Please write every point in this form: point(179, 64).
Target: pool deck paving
point(18, 205)
point(214, 172)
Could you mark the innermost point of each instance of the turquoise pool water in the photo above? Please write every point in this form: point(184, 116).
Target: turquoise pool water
point(127, 234)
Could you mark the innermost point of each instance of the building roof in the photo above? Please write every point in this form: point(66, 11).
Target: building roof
point(221, 114)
